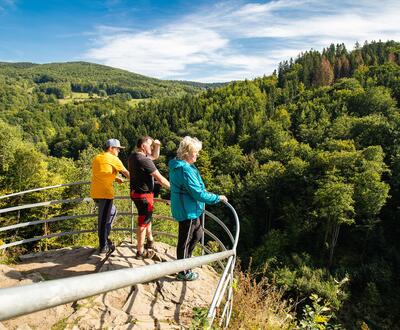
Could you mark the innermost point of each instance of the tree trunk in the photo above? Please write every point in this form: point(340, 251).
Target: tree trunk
point(334, 238)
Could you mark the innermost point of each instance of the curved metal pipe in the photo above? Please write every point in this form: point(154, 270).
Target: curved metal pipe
point(62, 291)
point(224, 280)
point(219, 221)
point(45, 188)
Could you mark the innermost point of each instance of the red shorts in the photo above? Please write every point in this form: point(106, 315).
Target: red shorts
point(145, 205)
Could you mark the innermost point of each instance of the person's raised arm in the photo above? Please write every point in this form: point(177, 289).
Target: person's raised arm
point(160, 178)
point(155, 153)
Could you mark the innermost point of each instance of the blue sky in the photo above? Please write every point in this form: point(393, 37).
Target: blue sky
point(208, 41)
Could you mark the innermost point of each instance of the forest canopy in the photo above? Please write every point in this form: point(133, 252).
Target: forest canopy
point(309, 157)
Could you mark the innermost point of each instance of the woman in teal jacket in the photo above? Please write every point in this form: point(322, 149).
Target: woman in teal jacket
point(188, 196)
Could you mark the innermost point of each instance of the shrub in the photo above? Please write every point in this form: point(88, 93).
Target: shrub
point(258, 304)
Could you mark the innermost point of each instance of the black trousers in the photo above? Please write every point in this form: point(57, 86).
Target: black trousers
point(106, 216)
point(190, 233)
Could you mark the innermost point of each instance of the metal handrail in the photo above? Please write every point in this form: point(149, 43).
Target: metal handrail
point(34, 239)
point(48, 203)
point(43, 295)
point(63, 201)
point(224, 227)
point(16, 306)
point(38, 222)
point(237, 223)
point(215, 302)
point(44, 188)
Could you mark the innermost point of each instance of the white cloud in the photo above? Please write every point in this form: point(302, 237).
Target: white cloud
point(243, 40)
point(155, 53)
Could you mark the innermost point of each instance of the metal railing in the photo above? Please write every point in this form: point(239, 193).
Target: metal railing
point(52, 293)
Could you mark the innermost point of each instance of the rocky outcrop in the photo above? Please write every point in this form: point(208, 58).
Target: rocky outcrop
point(162, 304)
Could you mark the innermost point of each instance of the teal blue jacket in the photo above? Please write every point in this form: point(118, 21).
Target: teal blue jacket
point(188, 193)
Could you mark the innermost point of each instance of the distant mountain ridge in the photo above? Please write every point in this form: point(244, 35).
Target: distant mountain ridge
point(62, 78)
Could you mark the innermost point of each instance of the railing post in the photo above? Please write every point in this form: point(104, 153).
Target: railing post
point(230, 293)
point(46, 229)
point(132, 220)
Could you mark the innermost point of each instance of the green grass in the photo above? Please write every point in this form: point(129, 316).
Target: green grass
point(135, 102)
point(79, 97)
point(82, 97)
point(60, 324)
point(199, 320)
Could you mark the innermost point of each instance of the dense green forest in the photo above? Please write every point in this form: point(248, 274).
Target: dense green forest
point(61, 79)
point(309, 157)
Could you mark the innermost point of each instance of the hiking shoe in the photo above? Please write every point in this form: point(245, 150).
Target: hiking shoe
point(110, 244)
point(111, 248)
point(139, 255)
point(149, 245)
point(189, 276)
point(147, 254)
point(107, 250)
point(103, 251)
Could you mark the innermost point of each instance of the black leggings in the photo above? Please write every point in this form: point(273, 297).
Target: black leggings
point(190, 232)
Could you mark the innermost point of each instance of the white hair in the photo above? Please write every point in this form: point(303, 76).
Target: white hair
point(187, 147)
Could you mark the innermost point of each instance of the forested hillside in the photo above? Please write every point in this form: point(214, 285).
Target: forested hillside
point(61, 79)
point(309, 157)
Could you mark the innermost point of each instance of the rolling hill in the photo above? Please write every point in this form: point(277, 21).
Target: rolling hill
point(63, 78)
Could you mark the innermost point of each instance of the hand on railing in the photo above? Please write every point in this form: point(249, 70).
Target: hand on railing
point(120, 180)
point(223, 198)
